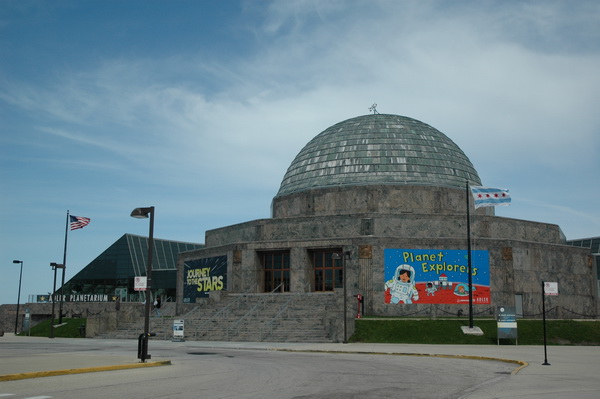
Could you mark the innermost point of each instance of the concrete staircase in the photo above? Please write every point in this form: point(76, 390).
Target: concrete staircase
point(280, 317)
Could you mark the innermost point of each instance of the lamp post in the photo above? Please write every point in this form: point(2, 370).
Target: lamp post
point(19, 295)
point(62, 294)
point(142, 213)
point(54, 267)
point(343, 257)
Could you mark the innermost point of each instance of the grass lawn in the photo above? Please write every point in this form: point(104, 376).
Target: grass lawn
point(448, 331)
point(423, 331)
point(69, 328)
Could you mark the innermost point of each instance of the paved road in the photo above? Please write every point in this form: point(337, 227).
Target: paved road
point(283, 370)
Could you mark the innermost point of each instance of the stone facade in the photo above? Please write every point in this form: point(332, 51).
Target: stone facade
point(522, 253)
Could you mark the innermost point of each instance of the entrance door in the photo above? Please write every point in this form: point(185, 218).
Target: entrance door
point(519, 305)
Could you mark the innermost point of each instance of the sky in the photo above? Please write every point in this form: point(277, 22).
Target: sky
point(198, 108)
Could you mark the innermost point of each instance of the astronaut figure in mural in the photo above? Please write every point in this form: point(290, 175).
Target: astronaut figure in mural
point(402, 286)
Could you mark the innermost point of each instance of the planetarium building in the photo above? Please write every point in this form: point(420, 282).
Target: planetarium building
point(379, 206)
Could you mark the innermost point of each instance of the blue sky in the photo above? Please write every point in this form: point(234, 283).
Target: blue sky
point(199, 107)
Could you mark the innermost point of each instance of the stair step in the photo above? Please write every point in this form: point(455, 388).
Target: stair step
point(250, 317)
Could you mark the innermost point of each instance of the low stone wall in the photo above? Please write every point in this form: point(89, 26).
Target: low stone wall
point(101, 316)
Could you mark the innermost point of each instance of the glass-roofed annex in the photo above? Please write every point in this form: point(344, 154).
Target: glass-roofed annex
point(113, 272)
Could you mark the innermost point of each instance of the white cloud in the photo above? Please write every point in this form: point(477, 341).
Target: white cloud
point(490, 90)
point(207, 138)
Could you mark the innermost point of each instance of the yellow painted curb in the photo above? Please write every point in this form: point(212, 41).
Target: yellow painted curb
point(521, 363)
point(38, 374)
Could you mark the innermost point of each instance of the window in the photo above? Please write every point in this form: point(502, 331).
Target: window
point(276, 268)
point(329, 272)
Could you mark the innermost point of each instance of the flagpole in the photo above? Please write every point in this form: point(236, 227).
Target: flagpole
point(62, 293)
point(469, 260)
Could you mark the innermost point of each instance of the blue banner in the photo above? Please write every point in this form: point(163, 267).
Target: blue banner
point(202, 276)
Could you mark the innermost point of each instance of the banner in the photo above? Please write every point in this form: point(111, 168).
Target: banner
point(437, 276)
point(202, 276)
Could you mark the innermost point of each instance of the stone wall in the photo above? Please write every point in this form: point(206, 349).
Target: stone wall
point(522, 254)
point(404, 226)
point(101, 316)
point(376, 199)
point(366, 220)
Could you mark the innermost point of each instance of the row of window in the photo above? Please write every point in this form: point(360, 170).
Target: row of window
point(327, 268)
point(328, 271)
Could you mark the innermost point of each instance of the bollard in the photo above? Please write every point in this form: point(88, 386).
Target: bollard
point(143, 346)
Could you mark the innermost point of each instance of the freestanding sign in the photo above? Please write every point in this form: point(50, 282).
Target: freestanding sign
point(178, 331)
point(548, 288)
point(507, 323)
point(140, 283)
point(27, 321)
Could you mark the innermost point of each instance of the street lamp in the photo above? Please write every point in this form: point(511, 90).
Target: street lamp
point(62, 294)
point(54, 267)
point(142, 213)
point(19, 295)
point(342, 256)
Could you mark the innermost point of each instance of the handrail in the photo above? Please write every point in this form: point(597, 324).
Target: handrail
point(279, 314)
point(219, 313)
point(249, 312)
point(276, 288)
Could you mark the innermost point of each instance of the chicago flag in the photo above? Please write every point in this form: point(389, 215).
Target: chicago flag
point(488, 196)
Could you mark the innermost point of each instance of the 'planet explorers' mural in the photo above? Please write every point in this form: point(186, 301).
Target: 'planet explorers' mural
point(435, 276)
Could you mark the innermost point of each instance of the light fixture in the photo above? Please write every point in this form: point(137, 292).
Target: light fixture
point(19, 295)
point(55, 266)
point(143, 213)
point(342, 256)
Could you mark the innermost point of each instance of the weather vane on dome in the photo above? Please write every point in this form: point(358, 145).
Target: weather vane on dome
point(373, 108)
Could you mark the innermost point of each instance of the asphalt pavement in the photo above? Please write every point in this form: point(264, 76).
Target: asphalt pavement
point(557, 372)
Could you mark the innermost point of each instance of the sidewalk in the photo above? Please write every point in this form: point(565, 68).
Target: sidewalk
point(61, 356)
point(573, 371)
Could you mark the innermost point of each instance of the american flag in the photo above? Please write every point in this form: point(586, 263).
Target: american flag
point(78, 222)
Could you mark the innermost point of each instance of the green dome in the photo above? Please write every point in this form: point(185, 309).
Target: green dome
point(379, 149)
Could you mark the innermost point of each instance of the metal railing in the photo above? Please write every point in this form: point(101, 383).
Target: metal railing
point(221, 314)
point(254, 310)
point(276, 320)
point(228, 328)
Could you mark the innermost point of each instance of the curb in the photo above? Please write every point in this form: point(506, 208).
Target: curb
point(522, 364)
point(39, 374)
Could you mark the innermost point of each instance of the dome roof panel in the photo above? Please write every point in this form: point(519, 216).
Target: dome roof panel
point(379, 149)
